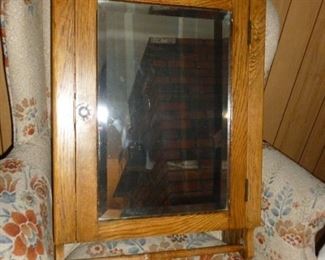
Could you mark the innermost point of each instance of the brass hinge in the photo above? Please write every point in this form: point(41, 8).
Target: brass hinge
point(246, 189)
point(249, 36)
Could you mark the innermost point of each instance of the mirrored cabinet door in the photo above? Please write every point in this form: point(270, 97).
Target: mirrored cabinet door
point(163, 110)
point(157, 108)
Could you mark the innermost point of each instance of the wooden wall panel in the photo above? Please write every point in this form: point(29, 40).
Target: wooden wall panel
point(315, 144)
point(294, 108)
point(292, 45)
point(307, 95)
point(282, 6)
point(6, 135)
point(320, 167)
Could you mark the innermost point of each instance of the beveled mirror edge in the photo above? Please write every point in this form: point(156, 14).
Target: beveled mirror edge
point(221, 31)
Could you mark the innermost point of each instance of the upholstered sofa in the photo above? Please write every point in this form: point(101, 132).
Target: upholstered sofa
point(293, 207)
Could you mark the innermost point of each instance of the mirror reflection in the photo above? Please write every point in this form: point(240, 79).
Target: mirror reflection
point(163, 110)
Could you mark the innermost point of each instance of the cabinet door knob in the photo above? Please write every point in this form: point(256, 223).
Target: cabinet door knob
point(84, 111)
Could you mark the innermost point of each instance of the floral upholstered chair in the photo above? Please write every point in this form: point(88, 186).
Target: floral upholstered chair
point(25, 173)
point(293, 201)
point(293, 210)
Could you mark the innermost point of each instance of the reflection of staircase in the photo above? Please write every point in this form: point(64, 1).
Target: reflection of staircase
point(175, 112)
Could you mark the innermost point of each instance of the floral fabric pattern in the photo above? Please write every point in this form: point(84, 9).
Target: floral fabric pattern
point(152, 244)
point(293, 210)
point(7, 189)
point(27, 74)
point(25, 188)
point(25, 202)
point(11, 165)
point(26, 234)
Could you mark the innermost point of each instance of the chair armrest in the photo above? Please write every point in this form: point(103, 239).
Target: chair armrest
point(293, 209)
point(25, 201)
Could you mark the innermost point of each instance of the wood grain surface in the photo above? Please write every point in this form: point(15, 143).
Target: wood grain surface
point(320, 167)
point(255, 112)
point(86, 130)
point(305, 101)
point(287, 62)
point(239, 118)
point(315, 145)
point(294, 95)
point(214, 4)
point(208, 251)
point(132, 228)
point(63, 71)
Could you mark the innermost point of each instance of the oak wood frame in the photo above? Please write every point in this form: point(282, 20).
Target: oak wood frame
point(63, 151)
point(178, 253)
point(75, 172)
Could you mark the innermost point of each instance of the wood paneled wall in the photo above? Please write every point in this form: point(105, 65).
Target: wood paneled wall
point(5, 112)
point(294, 109)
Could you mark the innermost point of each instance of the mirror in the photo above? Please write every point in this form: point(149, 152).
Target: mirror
point(163, 110)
